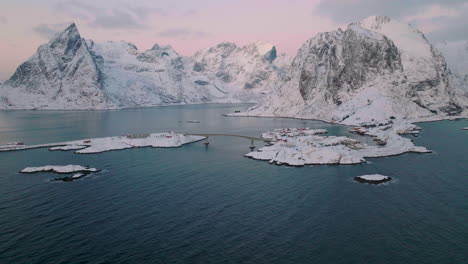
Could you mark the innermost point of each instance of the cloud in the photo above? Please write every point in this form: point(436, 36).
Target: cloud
point(47, 31)
point(117, 18)
point(450, 28)
point(3, 20)
point(182, 33)
point(439, 20)
point(432, 12)
point(191, 12)
point(353, 10)
point(144, 11)
point(120, 16)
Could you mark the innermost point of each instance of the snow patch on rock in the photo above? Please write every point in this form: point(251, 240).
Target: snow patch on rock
point(68, 147)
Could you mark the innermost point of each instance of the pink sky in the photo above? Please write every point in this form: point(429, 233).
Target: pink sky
point(187, 25)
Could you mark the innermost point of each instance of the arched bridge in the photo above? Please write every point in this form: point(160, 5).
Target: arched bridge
point(232, 135)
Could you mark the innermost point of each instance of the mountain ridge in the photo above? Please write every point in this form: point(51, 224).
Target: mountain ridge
point(374, 69)
point(112, 75)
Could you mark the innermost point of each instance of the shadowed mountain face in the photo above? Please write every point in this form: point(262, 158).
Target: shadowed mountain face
point(375, 69)
point(340, 61)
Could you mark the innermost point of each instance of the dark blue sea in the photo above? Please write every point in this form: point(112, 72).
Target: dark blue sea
point(198, 204)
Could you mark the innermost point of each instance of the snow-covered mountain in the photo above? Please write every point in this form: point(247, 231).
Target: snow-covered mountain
point(253, 67)
point(154, 77)
point(63, 74)
point(456, 54)
point(376, 69)
point(72, 73)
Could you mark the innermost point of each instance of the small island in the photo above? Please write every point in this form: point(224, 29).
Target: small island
point(78, 170)
point(373, 179)
point(304, 146)
point(98, 145)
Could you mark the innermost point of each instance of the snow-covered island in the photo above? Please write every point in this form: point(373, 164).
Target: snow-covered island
point(373, 179)
point(59, 169)
point(80, 171)
point(303, 146)
point(98, 145)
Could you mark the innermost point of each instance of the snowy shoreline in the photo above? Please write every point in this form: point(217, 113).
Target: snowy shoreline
point(99, 145)
point(415, 121)
point(406, 126)
point(303, 146)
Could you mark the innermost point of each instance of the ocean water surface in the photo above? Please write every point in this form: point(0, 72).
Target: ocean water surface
point(198, 204)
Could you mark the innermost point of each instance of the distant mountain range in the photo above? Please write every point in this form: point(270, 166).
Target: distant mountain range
point(70, 72)
point(375, 69)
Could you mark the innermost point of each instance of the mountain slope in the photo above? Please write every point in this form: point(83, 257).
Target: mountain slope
point(245, 71)
point(63, 74)
point(376, 69)
point(154, 77)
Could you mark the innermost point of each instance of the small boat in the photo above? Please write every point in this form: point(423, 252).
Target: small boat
point(193, 121)
point(206, 143)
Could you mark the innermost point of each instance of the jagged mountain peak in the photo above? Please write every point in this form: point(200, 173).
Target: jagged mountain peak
point(71, 32)
point(224, 49)
point(261, 47)
point(65, 43)
point(63, 73)
point(156, 46)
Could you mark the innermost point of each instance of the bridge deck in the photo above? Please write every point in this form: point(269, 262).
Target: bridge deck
point(232, 135)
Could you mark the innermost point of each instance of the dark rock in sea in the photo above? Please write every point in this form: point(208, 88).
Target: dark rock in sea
point(373, 179)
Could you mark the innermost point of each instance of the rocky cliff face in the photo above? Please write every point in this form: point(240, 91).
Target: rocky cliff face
point(63, 74)
point(376, 69)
